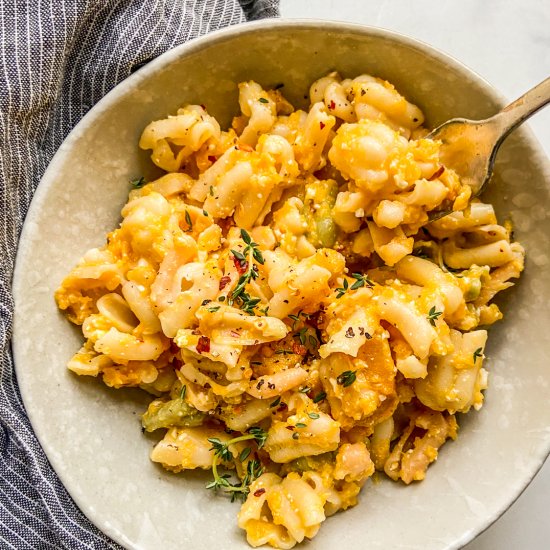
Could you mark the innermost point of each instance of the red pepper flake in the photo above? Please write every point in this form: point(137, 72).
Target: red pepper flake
point(203, 345)
point(298, 349)
point(234, 334)
point(224, 281)
point(332, 105)
point(322, 125)
point(259, 492)
point(203, 106)
point(244, 147)
point(437, 173)
point(240, 265)
point(212, 158)
point(291, 428)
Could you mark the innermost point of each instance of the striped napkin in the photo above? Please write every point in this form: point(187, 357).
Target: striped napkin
point(57, 59)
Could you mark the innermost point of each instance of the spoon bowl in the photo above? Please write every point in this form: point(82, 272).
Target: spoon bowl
point(470, 147)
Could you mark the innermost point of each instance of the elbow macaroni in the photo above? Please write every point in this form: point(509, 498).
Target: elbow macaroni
point(284, 296)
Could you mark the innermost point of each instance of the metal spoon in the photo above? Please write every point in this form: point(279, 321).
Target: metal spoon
point(470, 146)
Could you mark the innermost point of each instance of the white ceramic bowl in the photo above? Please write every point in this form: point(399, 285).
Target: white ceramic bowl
point(92, 435)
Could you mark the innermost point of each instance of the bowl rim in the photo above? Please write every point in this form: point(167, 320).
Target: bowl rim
point(125, 87)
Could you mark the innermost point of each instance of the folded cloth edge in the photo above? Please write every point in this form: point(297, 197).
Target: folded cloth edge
point(57, 63)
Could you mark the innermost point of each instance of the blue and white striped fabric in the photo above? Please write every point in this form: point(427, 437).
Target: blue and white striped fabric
point(57, 59)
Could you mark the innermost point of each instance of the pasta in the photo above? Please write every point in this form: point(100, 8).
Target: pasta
point(284, 297)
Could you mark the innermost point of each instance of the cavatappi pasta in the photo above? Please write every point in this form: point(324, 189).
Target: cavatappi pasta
point(283, 296)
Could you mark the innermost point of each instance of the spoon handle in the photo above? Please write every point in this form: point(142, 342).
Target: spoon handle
point(522, 108)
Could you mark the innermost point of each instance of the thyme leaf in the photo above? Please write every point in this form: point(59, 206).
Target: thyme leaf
point(347, 378)
point(477, 354)
point(433, 315)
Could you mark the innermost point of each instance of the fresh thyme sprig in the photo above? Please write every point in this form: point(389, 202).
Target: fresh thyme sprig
point(253, 471)
point(343, 289)
point(433, 315)
point(245, 261)
point(222, 453)
point(360, 281)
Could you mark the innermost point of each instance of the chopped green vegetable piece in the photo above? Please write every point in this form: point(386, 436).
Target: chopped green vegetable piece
point(166, 414)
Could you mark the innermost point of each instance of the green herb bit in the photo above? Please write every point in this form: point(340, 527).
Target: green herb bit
point(249, 303)
point(245, 236)
point(220, 449)
point(320, 397)
point(275, 403)
point(263, 100)
point(211, 190)
point(253, 471)
point(204, 213)
point(284, 352)
point(343, 289)
point(347, 378)
point(433, 315)
point(138, 183)
point(259, 435)
point(478, 353)
point(239, 255)
point(360, 281)
point(245, 453)
point(183, 392)
point(219, 482)
point(302, 334)
point(295, 435)
point(213, 309)
point(257, 255)
point(188, 220)
point(295, 319)
point(253, 467)
point(301, 425)
point(313, 416)
point(250, 252)
point(313, 342)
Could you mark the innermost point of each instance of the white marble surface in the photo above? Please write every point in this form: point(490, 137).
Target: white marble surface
point(508, 43)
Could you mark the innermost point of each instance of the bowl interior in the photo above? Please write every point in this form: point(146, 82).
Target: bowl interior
point(92, 435)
